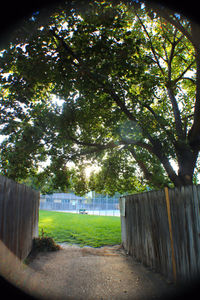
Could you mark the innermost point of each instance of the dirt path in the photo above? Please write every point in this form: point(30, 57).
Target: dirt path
point(88, 273)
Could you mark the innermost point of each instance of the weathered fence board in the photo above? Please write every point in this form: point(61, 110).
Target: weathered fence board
point(146, 235)
point(19, 209)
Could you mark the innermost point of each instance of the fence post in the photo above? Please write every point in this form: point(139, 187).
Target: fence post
point(122, 205)
point(170, 232)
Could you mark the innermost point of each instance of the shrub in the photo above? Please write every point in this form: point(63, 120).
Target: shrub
point(44, 243)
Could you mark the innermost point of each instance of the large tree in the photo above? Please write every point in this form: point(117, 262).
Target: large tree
point(129, 75)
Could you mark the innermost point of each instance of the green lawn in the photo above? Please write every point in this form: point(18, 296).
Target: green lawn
point(95, 231)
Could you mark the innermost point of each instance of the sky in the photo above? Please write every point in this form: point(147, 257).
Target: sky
point(2, 137)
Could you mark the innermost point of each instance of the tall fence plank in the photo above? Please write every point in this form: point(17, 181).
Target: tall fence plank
point(19, 207)
point(146, 234)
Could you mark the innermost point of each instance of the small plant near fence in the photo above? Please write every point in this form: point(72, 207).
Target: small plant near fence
point(44, 243)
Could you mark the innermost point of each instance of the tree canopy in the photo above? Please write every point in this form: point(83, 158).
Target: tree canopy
point(129, 75)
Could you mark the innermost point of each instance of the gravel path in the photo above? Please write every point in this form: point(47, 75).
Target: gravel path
point(89, 273)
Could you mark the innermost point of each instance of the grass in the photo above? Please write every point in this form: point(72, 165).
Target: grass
point(85, 230)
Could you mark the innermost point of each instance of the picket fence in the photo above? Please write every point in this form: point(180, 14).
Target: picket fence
point(161, 229)
point(19, 210)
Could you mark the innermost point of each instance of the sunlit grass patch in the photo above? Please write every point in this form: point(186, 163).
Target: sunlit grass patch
point(95, 231)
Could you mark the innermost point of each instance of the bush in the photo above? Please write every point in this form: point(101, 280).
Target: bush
point(44, 243)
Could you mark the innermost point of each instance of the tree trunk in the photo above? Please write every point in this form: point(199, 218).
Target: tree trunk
point(186, 161)
point(186, 157)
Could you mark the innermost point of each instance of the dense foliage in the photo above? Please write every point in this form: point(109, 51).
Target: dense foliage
point(129, 75)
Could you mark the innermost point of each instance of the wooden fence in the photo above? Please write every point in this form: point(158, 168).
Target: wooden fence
point(161, 229)
point(19, 207)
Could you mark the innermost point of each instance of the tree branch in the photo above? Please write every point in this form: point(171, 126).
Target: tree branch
point(151, 44)
point(176, 111)
point(137, 143)
point(63, 43)
point(183, 73)
point(92, 150)
point(96, 78)
point(120, 103)
point(170, 61)
point(188, 78)
point(165, 13)
point(148, 175)
point(157, 117)
point(100, 147)
point(169, 86)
